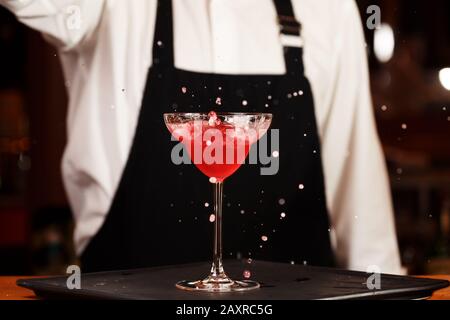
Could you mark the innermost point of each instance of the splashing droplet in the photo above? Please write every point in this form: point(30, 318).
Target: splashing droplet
point(301, 187)
point(213, 180)
point(282, 202)
point(264, 238)
point(212, 119)
point(245, 103)
point(283, 215)
point(206, 205)
point(247, 274)
point(184, 90)
point(219, 101)
point(275, 154)
point(212, 218)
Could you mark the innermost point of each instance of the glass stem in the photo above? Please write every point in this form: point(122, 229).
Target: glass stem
point(217, 271)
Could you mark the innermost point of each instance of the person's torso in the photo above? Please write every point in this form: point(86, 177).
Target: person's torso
point(209, 36)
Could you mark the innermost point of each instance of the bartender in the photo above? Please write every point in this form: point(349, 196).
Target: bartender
point(129, 62)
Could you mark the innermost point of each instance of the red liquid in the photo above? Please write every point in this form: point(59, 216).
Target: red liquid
point(217, 151)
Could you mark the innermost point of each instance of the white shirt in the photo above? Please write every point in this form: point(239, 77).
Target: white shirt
point(105, 48)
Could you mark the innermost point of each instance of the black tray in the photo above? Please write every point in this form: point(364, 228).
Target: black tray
point(279, 282)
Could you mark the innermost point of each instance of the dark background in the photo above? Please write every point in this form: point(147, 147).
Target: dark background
point(411, 106)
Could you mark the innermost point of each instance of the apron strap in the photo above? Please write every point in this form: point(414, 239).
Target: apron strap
point(163, 47)
point(290, 35)
point(286, 18)
point(290, 29)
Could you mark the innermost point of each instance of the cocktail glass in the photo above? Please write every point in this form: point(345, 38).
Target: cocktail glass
point(218, 144)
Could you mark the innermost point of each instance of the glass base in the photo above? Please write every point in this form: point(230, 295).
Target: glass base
point(218, 285)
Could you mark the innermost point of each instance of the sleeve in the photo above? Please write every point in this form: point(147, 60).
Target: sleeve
point(65, 23)
point(357, 183)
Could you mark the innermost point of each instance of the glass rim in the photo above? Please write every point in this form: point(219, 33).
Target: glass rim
point(219, 114)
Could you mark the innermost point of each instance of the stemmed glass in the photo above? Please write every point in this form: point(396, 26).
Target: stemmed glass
point(218, 144)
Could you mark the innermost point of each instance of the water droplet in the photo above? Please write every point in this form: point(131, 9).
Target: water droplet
point(208, 143)
point(184, 90)
point(275, 154)
point(212, 119)
point(206, 205)
point(399, 171)
point(301, 187)
point(212, 218)
point(264, 238)
point(244, 103)
point(292, 262)
point(384, 108)
point(301, 92)
point(219, 101)
point(282, 202)
point(404, 126)
point(247, 274)
point(213, 180)
point(283, 215)
point(289, 96)
point(269, 97)
point(295, 94)
point(305, 135)
point(220, 88)
point(159, 43)
point(305, 263)
point(266, 105)
point(242, 211)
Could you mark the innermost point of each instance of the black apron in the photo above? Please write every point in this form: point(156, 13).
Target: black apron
point(160, 212)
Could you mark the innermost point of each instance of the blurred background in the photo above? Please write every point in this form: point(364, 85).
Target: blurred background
point(409, 58)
